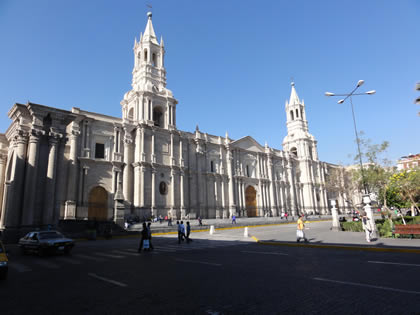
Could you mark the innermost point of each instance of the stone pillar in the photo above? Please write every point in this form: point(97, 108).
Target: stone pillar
point(3, 161)
point(70, 205)
point(152, 155)
point(128, 169)
point(272, 185)
point(28, 212)
point(173, 210)
point(292, 189)
point(260, 206)
point(153, 206)
point(137, 191)
point(216, 199)
point(48, 214)
point(181, 191)
point(141, 189)
point(232, 206)
point(12, 213)
point(225, 212)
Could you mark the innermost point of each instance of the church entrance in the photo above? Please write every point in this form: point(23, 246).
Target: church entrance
point(251, 201)
point(98, 204)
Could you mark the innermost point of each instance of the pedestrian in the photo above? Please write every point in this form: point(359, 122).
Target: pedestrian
point(286, 215)
point(200, 222)
point(300, 233)
point(149, 234)
point(170, 221)
point(367, 226)
point(188, 231)
point(144, 237)
point(182, 231)
point(179, 232)
point(282, 216)
point(233, 219)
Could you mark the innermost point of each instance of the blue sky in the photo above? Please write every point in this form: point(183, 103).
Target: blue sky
point(229, 64)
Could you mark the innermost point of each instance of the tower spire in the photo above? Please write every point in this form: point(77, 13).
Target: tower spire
point(149, 32)
point(294, 98)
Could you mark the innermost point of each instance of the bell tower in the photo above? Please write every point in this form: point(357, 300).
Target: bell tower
point(149, 101)
point(298, 142)
point(304, 155)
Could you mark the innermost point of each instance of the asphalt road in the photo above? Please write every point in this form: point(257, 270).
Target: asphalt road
point(215, 274)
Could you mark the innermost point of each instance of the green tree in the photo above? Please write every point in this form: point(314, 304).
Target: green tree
point(377, 169)
point(340, 182)
point(407, 185)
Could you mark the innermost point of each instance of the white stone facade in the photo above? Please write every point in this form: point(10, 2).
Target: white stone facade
point(57, 164)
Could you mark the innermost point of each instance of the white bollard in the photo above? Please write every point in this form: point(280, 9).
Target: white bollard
point(211, 229)
point(246, 232)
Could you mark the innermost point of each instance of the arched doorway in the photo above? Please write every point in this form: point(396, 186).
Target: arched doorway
point(98, 204)
point(251, 201)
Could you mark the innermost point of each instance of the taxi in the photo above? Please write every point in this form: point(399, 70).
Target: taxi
point(3, 262)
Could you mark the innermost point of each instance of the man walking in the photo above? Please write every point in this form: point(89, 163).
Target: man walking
point(188, 232)
point(367, 226)
point(233, 219)
point(300, 229)
point(144, 237)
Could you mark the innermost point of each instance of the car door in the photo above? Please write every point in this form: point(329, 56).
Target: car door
point(33, 242)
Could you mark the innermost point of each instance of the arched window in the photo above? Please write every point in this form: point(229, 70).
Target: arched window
point(130, 114)
point(297, 113)
point(291, 115)
point(293, 151)
point(145, 55)
point(154, 60)
point(157, 117)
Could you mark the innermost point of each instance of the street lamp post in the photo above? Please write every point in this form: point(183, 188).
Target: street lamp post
point(365, 198)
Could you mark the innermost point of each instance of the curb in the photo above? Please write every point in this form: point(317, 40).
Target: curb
point(345, 247)
point(203, 230)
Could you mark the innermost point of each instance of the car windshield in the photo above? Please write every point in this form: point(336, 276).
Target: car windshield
point(50, 235)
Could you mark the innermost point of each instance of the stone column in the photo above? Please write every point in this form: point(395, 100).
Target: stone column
point(272, 185)
point(225, 212)
point(70, 206)
point(216, 199)
point(153, 206)
point(173, 210)
point(181, 191)
point(3, 161)
point(48, 214)
point(12, 213)
point(292, 188)
point(28, 212)
point(152, 155)
point(128, 169)
point(137, 191)
point(232, 206)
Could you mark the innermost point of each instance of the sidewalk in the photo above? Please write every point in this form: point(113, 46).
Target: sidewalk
point(222, 223)
point(320, 235)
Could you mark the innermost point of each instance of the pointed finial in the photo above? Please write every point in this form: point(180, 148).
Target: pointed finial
point(227, 135)
point(141, 36)
point(266, 144)
point(161, 41)
point(149, 15)
point(292, 84)
point(196, 128)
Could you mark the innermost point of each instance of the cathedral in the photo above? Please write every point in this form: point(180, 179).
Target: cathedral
point(77, 165)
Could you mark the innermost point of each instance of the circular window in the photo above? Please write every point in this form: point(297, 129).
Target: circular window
point(163, 188)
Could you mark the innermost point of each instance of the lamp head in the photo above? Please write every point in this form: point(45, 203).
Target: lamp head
point(360, 83)
point(371, 92)
point(340, 102)
point(329, 94)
